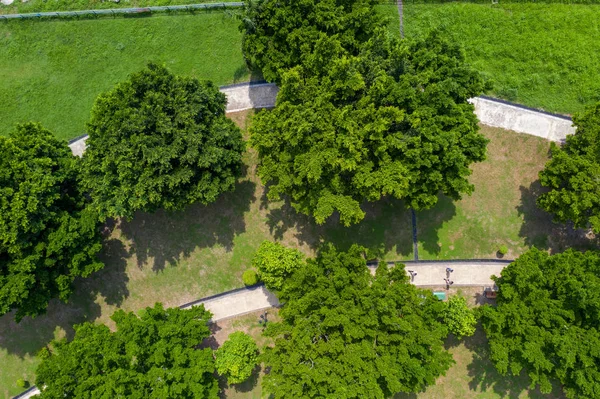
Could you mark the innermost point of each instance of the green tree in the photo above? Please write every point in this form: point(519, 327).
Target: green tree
point(279, 35)
point(152, 356)
point(459, 319)
point(237, 357)
point(160, 141)
point(348, 334)
point(547, 321)
point(572, 174)
point(276, 262)
point(47, 235)
point(394, 121)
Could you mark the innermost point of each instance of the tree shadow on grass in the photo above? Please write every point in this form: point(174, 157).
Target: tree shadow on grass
point(386, 228)
point(163, 238)
point(244, 387)
point(540, 231)
point(31, 334)
point(430, 221)
point(485, 377)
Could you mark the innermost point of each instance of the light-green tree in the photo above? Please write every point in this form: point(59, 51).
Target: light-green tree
point(547, 321)
point(48, 236)
point(459, 319)
point(276, 262)
point(345, 333)
point(237, 357)
point(573, 172)
point(392, 121)
point(160, 141)
point(152, 356)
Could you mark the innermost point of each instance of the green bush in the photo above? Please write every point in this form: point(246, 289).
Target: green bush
point(21, 383)
point(237, 358)
point(250, 277)
point(503, 250)
point(275, 262)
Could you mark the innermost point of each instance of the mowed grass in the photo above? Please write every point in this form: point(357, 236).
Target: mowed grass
point(502, 209)
point(52, 71)
point(542, 55)
point(178, 257)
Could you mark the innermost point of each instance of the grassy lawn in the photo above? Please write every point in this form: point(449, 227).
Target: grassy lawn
point(541, 55)
point(501, 211)
point(51, 71)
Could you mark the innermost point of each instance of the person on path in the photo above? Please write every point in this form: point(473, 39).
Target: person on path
point(412, 274)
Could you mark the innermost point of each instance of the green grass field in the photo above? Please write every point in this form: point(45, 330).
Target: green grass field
point(51, 71)
point(541, 55)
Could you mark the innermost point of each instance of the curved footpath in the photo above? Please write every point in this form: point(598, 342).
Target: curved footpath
point(429, 274)
point(491, 112)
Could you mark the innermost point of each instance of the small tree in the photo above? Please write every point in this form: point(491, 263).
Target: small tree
point(459, 319)
point(48, 236)
point(160, 141)
point(275, 262)
point(237, 357)
point(249, 277)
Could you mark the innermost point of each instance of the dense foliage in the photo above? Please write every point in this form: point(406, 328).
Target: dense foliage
point(47, 235)
point(152, 356)
point(393, 121)
point(281, 34)
point(459, 319)
point(237, 357)
point(348, 334)
point(547, 321)
point(160, 141)
point(573, 174)
point(276, 262)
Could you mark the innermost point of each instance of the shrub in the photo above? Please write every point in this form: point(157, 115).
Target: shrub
point(503, 250)
point(275, 262)
point(250, 277)
point(21, 383)
point(237, 357)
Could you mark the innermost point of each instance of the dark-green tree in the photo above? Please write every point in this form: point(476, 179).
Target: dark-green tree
point(280, 34)
point(47, 235)
point(393, 121)
point(152, 356)
point(573, 174)
point(547, 321)
point(160, 141)
point(348, 334)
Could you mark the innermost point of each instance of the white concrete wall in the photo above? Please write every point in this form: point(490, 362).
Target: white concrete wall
point(492, 113)
point(521, 120)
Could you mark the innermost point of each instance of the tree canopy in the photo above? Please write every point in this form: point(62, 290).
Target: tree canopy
point(47, 235)
point(573, 172)
point(348, 334)
point(459, 319)
point(152, 356)
point(547, 321)
point(393, 120)
point(160, 141)
point(275, 262)
point(279, 35)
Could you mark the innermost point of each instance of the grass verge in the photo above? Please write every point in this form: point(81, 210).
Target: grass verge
point(52, 71)
point(541, 55)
